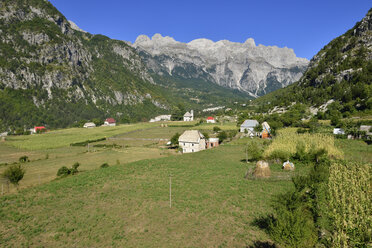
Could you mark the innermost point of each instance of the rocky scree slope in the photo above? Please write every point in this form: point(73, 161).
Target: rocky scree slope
point(256, 70)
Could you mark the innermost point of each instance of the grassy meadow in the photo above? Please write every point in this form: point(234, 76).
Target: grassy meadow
point(128, 204)
point(50, 151)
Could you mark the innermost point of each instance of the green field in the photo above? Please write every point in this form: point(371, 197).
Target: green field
point(50, 151)
point(128, 205)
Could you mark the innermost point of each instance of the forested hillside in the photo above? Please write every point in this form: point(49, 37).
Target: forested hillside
point(341, 71)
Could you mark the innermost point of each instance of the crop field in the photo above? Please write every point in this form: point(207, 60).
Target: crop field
point(128, 204)
point(287, 140)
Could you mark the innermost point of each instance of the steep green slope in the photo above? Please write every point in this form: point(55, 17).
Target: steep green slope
point(342, 71)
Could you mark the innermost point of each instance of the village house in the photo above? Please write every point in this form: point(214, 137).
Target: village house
point(248, 126)
point(37, 129)
point(338, 131)
point(192, 141)
point(265, 130)
point(89, 125)
point(161, 118)
point(210, 119)
point(188, 116)
point(212, 142)
point(110, 122)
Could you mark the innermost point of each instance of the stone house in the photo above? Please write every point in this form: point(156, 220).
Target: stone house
point(188, 116)
point(192, 141)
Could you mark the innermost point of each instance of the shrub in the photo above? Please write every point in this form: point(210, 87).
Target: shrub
point(281, 155)
point(206, 135)
point(74, 168)
point(254, 150)
point(104, 165)
point(63, 171)
point(14, 173)
point(174, 140)
point(222, 136)
point(24, 159)
point(216, 129)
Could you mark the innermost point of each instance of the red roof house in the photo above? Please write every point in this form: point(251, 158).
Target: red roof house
point(39, 129)
point(210, 119)
point(110, 122)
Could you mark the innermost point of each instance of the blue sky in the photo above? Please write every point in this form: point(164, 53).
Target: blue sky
point(304, 25)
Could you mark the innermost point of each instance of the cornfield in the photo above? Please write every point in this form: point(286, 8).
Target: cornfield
point(288, 139)
point(350, 204)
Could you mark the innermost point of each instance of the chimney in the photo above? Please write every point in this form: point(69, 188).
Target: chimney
point(192, 112)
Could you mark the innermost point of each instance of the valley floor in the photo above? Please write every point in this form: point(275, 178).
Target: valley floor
point(127, 204)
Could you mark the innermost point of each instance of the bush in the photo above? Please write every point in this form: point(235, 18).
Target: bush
point(14, 173)
point(74, 168)
point(254, 150)
point(293, 225)
point(23, 159)
point(216, 129)
point(174, 140)
point(222, 136)
point(63, 171)
point(206, 135)
point(280, 155)
point(104, 165)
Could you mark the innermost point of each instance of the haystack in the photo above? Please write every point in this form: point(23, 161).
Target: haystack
point(262, 170)
point(288, 166)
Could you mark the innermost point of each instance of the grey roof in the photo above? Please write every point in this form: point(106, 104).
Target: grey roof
point(249, 123)
point(193, 136)
point(366, 129)
point(187, 114)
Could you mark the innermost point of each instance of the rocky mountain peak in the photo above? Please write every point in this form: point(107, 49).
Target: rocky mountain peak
point(244, 66)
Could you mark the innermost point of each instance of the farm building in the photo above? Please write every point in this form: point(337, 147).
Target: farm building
point(188, 116)
point(212, 142)
point(110, 122)
point(38, 129)
point(249, 125)
point(338, 131)
point(89, 125)
point(161, 118)
point(210, 119)
point(265, 130)
point(192, 141)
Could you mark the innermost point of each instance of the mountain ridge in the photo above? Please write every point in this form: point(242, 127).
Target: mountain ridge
point(243, 66)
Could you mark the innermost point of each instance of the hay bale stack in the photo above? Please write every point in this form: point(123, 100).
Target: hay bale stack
point(288, 166)
point(262, 170)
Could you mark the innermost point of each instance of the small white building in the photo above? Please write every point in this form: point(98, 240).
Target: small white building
point(188, 116)
point(192, 141)
point(89, 125)
point(161, 118)
point(210, 119)
point(110, 122)
point(338, 131)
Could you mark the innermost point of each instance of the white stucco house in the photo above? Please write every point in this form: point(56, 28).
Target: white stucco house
point(210, 119)
point(161, 118)
point(188, 116)
point(89, 125)
point(110, 122)
point(192, 141)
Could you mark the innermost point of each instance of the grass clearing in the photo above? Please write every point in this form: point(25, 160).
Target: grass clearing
point(213, 205)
